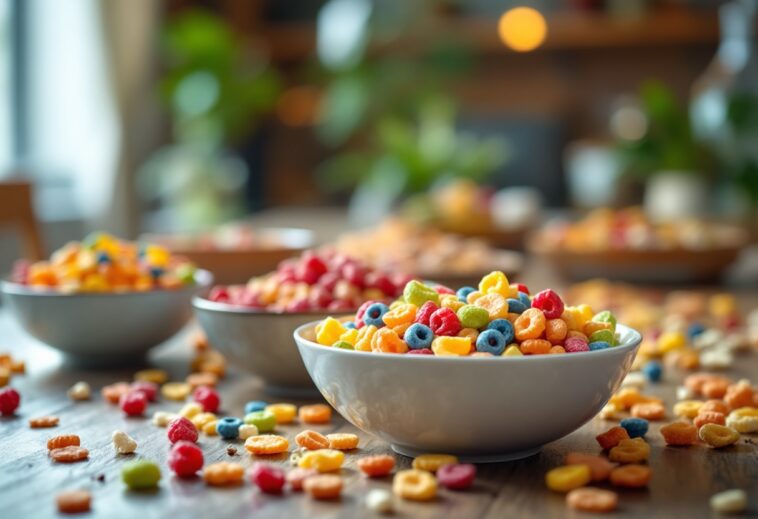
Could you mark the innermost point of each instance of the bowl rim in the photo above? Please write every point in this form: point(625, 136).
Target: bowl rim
point(203, 280)
point(200, 302)
point(632, 344)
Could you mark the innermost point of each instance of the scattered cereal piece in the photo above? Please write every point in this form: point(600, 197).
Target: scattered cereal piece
point(9, 401)
point(432, 462)
point(591, 499)
point(297, 476)
point(630, 476)
point(156, 376)
point(267, 477)
point(312, 440)
point(323, 486)
point(162, 418)
point(196, 380)
point(415, 485)
point(316, 413)
point(112, 393)
point(247, 430)
point(343, 441)
point(284, 413)
point(190, 409)
point(223, 473)
point(266, 444)
point(568, 477)
point(600, 468)
point(141, 474)
point(634, 450)
point(687, 408)
point(458, 476)
point(73, 501)
point(323, 460)
point(176, 390)
point(376, 466)
point(742, 424)
point(731, 501)
point(42, 422)
point(185, 459)
point(64, 440)
point(70, 454)
point(679, 434)
point(380, 501)
point(718, 436)
point(612, 437)
point(123, 443)
point(79, 391)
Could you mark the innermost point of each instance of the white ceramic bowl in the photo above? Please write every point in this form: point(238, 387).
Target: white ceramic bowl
point(482, 409)
point(101, 329)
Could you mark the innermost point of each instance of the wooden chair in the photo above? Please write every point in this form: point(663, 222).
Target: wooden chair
point(16, 211)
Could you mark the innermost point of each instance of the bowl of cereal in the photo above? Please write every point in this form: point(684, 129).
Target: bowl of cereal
point(518, 383)
point(104, 301)
point(252, 324)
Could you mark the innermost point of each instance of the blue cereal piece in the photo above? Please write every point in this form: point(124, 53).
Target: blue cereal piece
point(516, 306)
point(374, 314)
point(505, 327)
point(255, 405)
point(491, 341)
point(599, 345)
point(229, 427)
point(524, 298)
point(653, 370)
point(695, 329)
point(418, 336)
point(635, 427)
point(463, 293)
point(350, 325)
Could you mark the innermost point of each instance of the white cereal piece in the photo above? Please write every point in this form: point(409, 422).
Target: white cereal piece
point(79, 391)
point(162, 418)
point(742, 424)
point(247, 430)
point(380, 501)
point(729, 502)
point(684, 393)
point(735, 341)
point(716, 359)
point(123, 443)
point(635, 379)
point(610, 412)
point(707, 339)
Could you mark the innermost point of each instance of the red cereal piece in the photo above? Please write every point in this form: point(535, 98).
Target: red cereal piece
point(133, 403)
point(612, 437)
point(9, 401)
point(208, 398)
point(457, 476)
point(185, 459)
point(180, 429)
point(444, 321)
point(420, 351)
point(575, 344)
point(269, 478)
point(296, 477)
point(549, 302)
point(150, 389)
point(425, 312)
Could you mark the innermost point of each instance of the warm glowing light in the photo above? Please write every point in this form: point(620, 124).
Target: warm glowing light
point(298, 106)
point(522, 29)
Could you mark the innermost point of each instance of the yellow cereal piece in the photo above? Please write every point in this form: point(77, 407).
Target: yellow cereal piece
point(451, 301)
point(323, 460)
point(329, 331)
point(200, 419)
point(415, 485)
point(176, 390)
point(745, 411)
point(473, 296)
point(210, 428)
point(432, 462)
point(451, 346)
point(567, 478)
point(687, 408)
point(495, 304)
point(670, 341)
point(718, 436)
point(350, 336)
point(284, 413)
point(722, 305)
point(190, 410)
point(632, 450)
point(512, 351)
point(497, 282)
point(156, 376)
point(365, 335)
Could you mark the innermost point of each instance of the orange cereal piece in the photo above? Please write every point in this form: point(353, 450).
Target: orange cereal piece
point(316, 413)
point(634, 450)
point(612, 437)
point(112, 393)
point(589, 499)
point(626, 397)
point(631, 476)
point(343, 441)
point(739, 395)
point(385, 340)
point(266, 444)
point(401, 314)
point(495, 304)
point(600, 468)
point(42, 422)
point(649, 411)
point(400, 329)
point(575, 333)
point(323, 486)
point(714, 405)
point(535, 347)
point(715, 388)
point(312, 440)
point(696, 381)
point(591, 327)
point(679, 433)
point(70, 454)
point(703, 418)
point(196, 380)
point(73, 501)
point(557, 350)
point(530, 324)
point(64, 440)
point(556, 331)
point(376, 466)
point(223, 474)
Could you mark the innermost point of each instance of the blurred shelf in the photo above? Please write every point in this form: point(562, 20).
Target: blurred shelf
point(566, 31)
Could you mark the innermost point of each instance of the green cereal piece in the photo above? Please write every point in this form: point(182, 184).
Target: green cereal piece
point(603, 336)
point(141, 474)
point(606, 316)
point(418, 293)
point(344, 345)
point(472, 316)
point(265, 421)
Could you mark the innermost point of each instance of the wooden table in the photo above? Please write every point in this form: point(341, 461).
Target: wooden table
point(683, 479)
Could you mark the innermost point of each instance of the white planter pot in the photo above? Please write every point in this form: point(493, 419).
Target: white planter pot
point(671, 195)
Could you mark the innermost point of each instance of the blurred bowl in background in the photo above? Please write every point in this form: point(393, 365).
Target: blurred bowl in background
point(509, 262)
point(103, 329)
point(237, 252)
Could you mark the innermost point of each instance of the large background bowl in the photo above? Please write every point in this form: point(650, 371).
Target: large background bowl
point(482, 409)
point(102, 329)
point(259, 342)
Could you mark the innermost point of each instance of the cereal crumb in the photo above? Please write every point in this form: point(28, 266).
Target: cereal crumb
point(231, 450)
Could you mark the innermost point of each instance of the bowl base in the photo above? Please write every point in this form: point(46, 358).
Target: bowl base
point(472, 458)
point(292, 391)
point(117, 361)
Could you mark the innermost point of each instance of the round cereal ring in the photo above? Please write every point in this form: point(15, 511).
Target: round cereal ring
point(714, 405)
point(649, 411)
point(176, 390)
point(266, 444)
point(316, 413)
point(323, 486)
point(64, 440)
point(415, 485)
point(432, 462)
point(630, 476)
point(376, 466)
point(343, 441)
point(634, 450)
point(718, 436)
point(112, 393)
point(195, 380)
point(530, 324)
point(679, 433)
point(70, 454)
point(312, 440)
point(688, 408)
point(73, 501)
point(591, 499)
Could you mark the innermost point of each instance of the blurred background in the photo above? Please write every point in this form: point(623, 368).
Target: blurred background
point(481, 117)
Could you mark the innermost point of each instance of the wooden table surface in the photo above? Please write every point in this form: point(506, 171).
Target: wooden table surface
point(683, 478)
